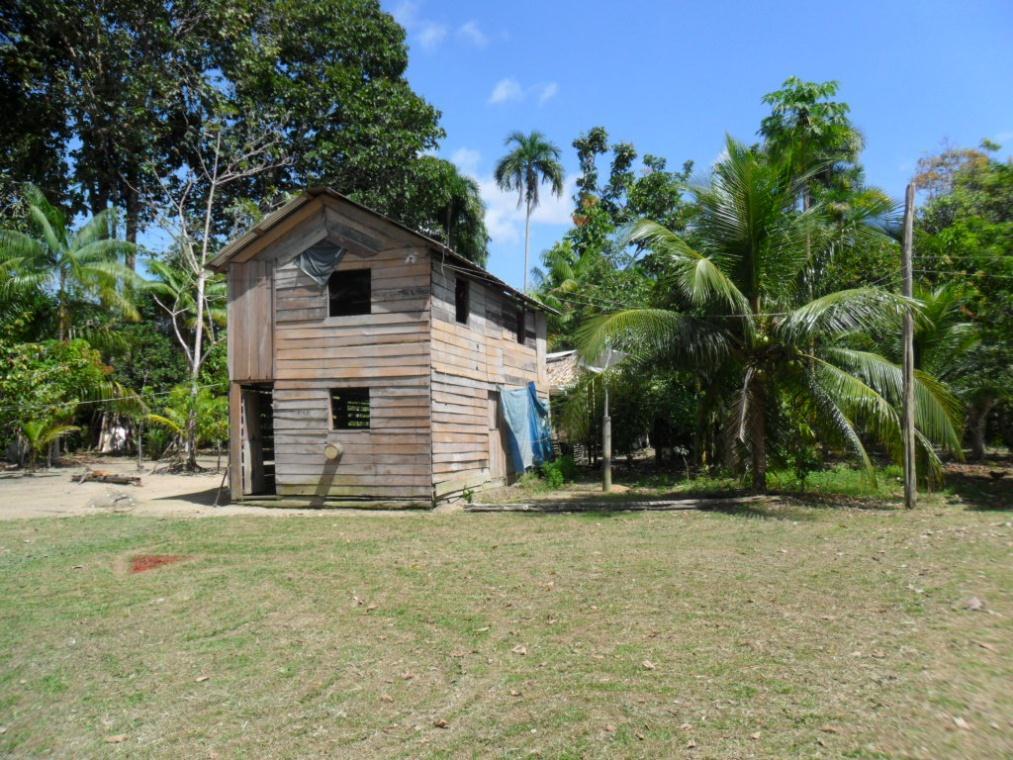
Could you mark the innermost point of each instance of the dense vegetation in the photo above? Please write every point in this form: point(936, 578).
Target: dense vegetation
point(757, 306)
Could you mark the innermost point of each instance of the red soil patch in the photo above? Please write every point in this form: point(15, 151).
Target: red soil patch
point(143, 562)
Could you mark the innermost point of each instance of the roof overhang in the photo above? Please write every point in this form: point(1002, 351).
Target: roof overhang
point(220, 262)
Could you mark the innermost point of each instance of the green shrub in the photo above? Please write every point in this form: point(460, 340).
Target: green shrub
point(558, 472)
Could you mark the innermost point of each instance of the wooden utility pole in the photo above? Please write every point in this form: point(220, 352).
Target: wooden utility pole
point(910, 482)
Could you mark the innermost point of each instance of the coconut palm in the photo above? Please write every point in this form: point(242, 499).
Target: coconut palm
point(739, 307)
point(77, 266)
point(533, 161)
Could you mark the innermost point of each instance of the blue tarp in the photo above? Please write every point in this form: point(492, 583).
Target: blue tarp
point(529, 435)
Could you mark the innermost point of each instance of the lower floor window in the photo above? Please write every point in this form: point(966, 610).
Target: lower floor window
point(349, 408)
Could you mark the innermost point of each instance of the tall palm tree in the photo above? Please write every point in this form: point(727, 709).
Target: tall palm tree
point(740, 306)
point(77, 266)
point(532, 161)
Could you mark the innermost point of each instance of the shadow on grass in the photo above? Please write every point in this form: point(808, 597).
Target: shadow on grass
point(986, 487)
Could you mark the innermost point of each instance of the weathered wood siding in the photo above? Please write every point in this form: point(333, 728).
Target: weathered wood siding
point(386, 351)
point(250, 319)
point(468, 362)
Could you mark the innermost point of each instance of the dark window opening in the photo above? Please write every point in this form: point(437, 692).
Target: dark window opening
point(461, 300)
point(349, 292)
point(350, 408)
point(522, 327)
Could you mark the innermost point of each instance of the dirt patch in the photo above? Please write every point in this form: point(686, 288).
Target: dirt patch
point(143, 562)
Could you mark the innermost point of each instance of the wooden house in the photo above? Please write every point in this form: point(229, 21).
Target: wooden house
point(378, 381)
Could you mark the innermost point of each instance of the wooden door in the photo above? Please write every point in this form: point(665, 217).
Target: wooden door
point(497, 452)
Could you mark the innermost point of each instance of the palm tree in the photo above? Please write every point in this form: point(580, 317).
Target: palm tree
point(533, 160)
point(740, 307)
point(462, 218)
point(41, 434)
point(79, 266)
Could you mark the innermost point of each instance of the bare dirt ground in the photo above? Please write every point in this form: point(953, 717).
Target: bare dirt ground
point(52, 493)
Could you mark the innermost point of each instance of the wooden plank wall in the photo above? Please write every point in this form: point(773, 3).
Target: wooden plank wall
point(387, 351)
point(251, 330)
point(469, 361)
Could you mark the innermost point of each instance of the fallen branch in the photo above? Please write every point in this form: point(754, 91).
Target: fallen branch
point(102, 476)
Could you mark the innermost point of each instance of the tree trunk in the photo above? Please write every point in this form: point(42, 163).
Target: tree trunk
point(758, 439)
point(133, 222)
point(190, 442)
point(978, 427)
point(527, 243)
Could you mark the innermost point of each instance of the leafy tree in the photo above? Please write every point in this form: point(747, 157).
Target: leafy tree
point(448, 206)
point(963, 239)
point(533, 161)
point(738, 309)
point(107, 92)
point(587, 271)
point(813, 132)
point(46, 381)
point(79, 267)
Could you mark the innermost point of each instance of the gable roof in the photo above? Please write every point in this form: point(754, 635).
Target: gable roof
point(220, 262)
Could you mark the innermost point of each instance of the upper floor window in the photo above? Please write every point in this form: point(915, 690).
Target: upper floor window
point(349, 292)
point(461, 307)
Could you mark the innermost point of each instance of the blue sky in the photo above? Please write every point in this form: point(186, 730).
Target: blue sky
point(674, 77)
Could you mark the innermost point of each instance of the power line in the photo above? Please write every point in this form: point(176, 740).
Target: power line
point(75, 404)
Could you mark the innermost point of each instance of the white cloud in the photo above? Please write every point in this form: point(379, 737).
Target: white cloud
point(469, 31)
point(506, 90)
point(546, 92)
point(406, 13)
point(510, 90)
point(466, 160)
point(504, 219)
point(431, 34)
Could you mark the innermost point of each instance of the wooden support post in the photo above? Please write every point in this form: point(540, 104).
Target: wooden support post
point(910, 481)
point(606, 442)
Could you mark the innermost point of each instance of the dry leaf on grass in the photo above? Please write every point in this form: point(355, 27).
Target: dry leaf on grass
point(386, 698)
point(755, 735)
point(961, 724)
point(974, 604)
point(201, 679)
point(117, 739)
point(610, 728)
point(830, 729)
point(648, 665)
point(441, 723)
point(520, 649)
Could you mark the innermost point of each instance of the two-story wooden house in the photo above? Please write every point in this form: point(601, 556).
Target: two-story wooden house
point(366, 359)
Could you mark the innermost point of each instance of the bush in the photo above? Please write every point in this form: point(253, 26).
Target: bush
point(558, 472)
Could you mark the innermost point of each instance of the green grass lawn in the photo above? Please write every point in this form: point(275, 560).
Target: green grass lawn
point(780, 631)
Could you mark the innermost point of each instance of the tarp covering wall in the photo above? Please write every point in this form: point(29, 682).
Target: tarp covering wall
point(529, 435)
point(319, 261)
